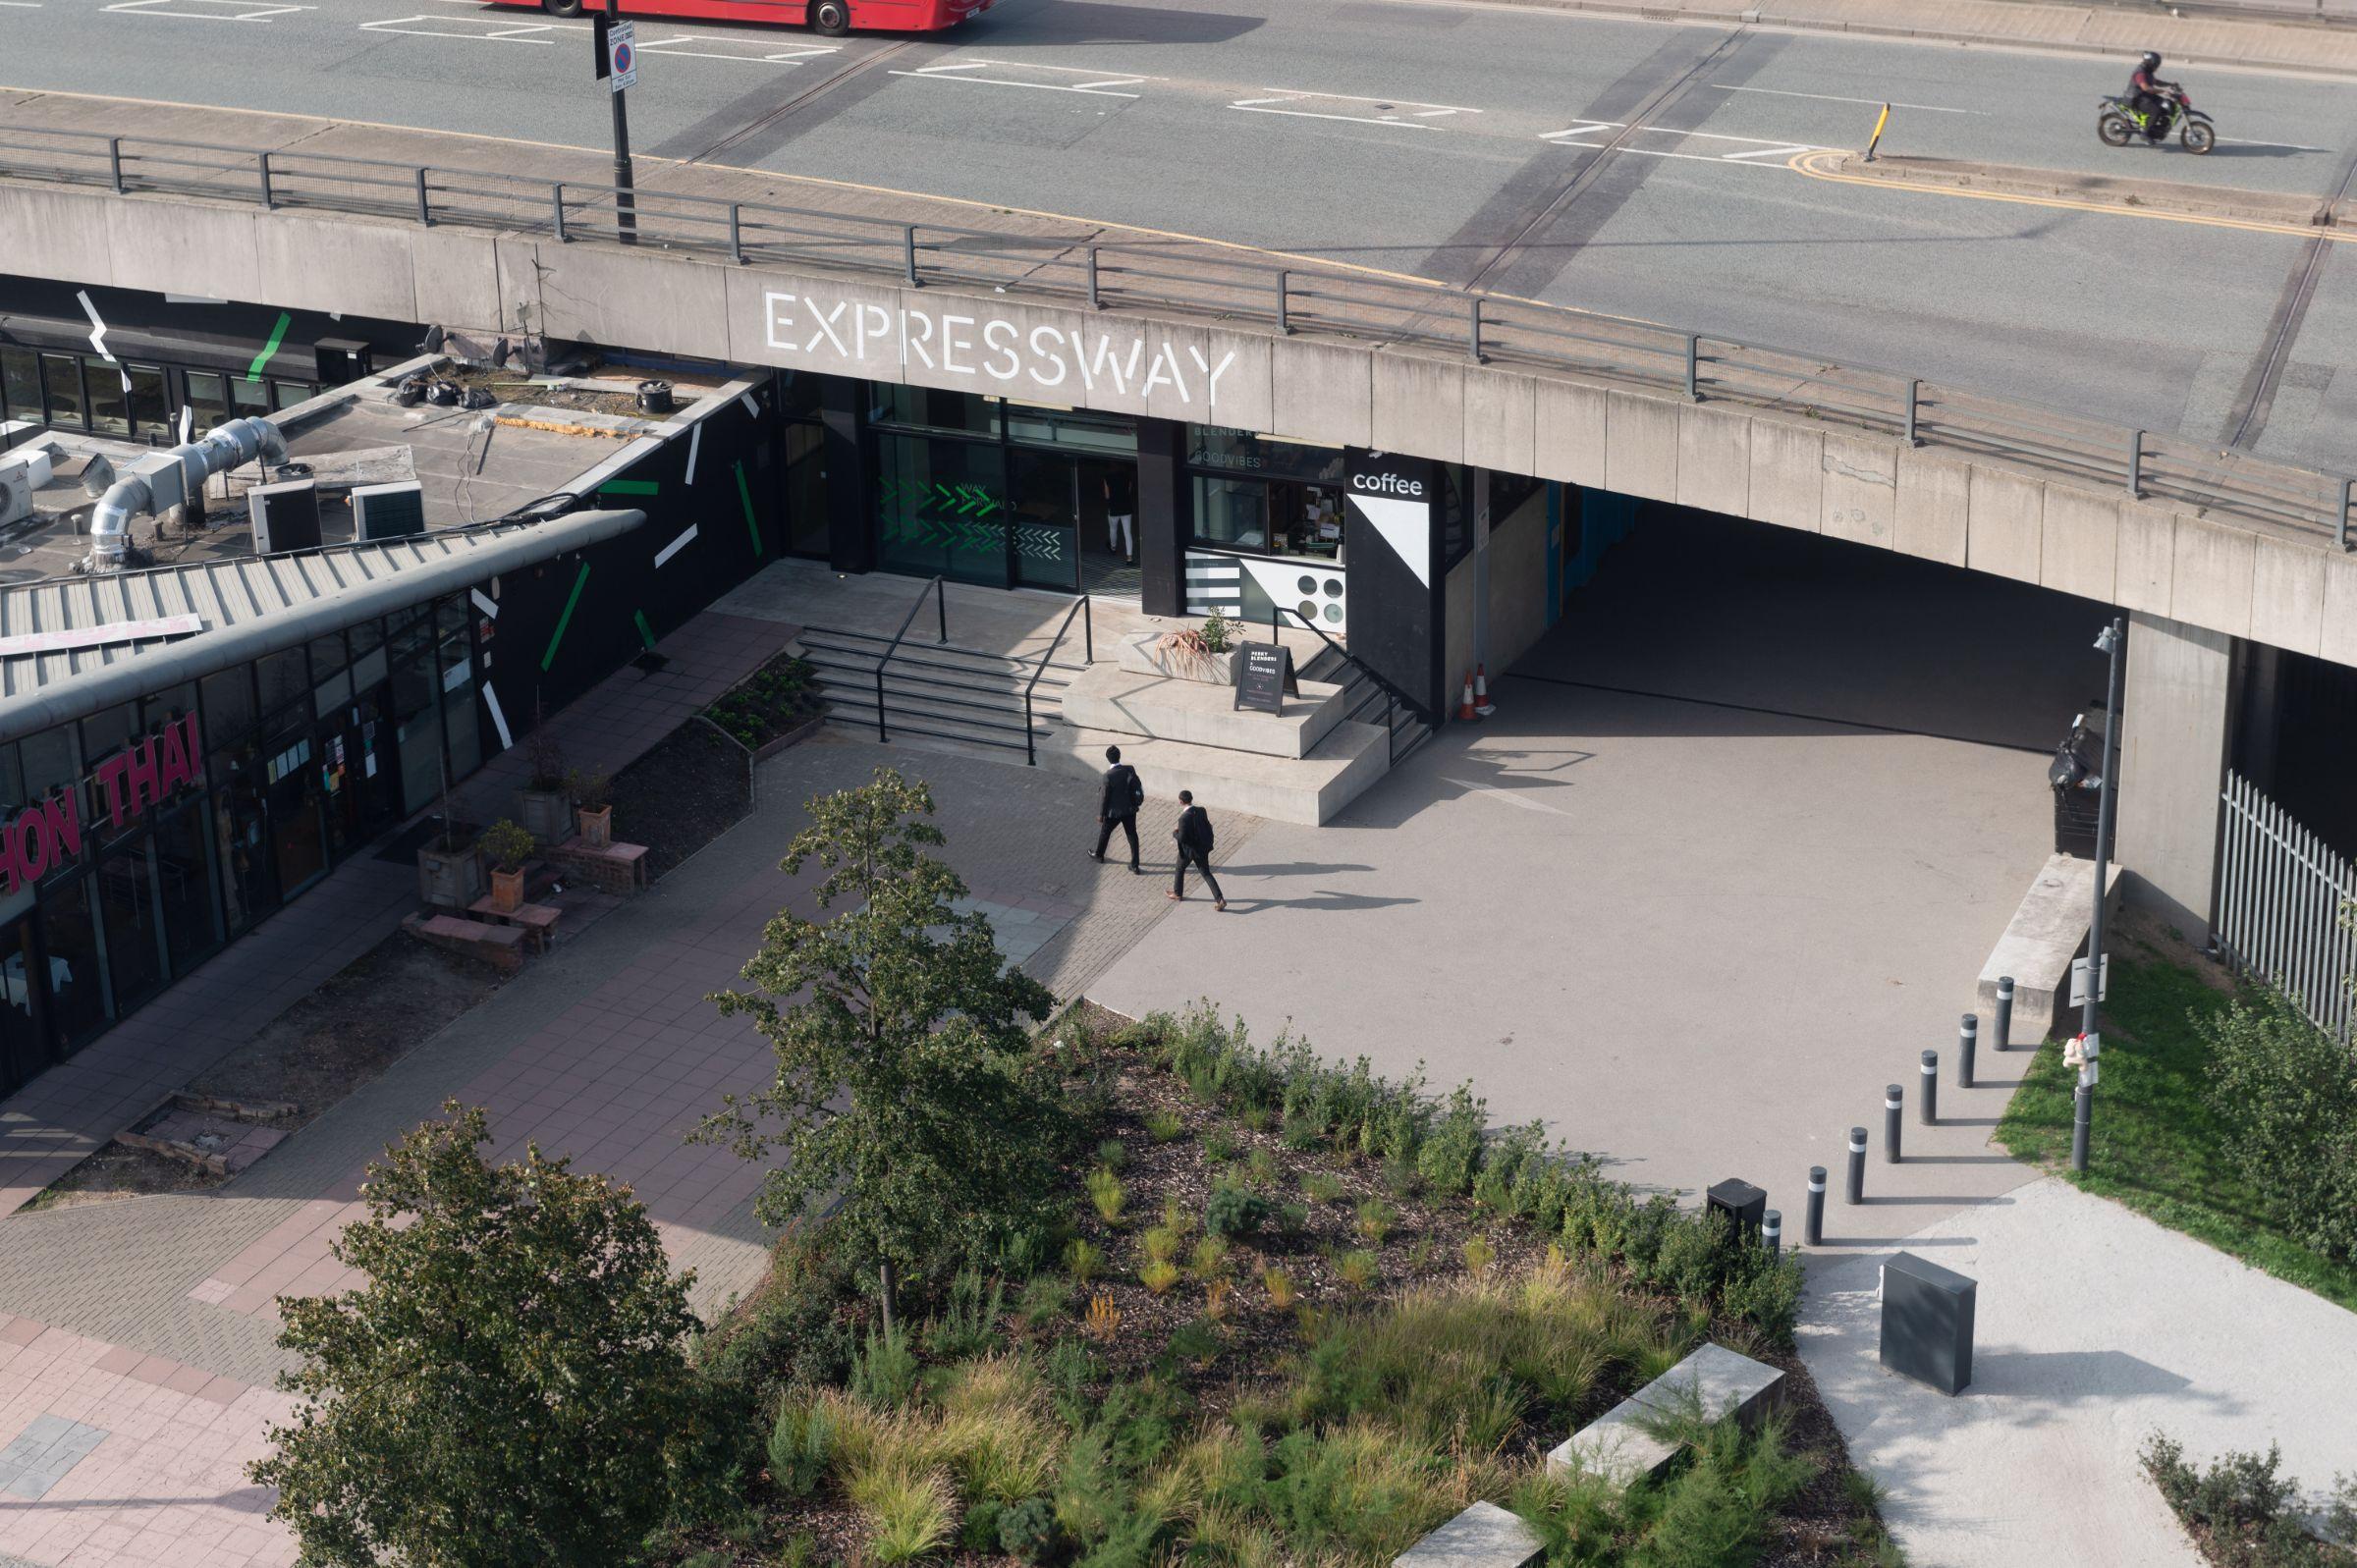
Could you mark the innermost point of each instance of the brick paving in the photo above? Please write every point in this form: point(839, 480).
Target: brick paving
point(152, 1318)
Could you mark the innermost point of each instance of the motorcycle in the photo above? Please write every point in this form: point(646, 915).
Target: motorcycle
point(2118, 123)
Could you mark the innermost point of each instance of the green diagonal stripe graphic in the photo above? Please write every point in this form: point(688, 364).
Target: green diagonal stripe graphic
point(744, 493)
point(629, 487)
point(644, 630)
point(564, 620)
point(278, 335)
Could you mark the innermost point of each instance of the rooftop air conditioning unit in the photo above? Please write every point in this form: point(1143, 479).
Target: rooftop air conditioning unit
point(286, 516)
point(16, 495)
point(388, 511)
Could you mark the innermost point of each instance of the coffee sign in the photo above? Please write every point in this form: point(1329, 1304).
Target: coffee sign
point(1264, 676)
point(144, 775)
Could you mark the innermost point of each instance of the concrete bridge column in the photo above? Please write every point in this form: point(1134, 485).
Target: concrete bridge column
point(2174, 751)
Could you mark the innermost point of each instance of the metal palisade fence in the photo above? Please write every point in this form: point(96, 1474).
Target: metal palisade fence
point(2282, 906)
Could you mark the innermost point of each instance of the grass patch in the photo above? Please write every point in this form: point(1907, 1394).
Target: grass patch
point(2157, 1145)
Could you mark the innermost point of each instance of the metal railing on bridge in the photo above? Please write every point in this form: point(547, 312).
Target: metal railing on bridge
point(2283, 905)
point(1202, 279)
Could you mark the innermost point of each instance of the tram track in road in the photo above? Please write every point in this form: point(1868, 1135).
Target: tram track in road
point(2257, 402)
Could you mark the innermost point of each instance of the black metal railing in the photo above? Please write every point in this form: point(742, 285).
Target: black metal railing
point(1394, 701)
point(941, 604)
point(1202, 279)
point(1088, 631)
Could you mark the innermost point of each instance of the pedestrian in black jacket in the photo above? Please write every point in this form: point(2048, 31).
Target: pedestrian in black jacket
point(1193, 833)
point(1117, 806)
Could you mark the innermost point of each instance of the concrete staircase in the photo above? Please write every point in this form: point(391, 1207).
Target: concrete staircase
point(1302, 766)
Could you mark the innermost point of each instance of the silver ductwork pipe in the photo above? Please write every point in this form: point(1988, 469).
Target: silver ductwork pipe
point(230, 445)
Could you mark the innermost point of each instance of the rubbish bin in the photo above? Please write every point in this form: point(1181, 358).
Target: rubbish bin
point(1927, 1322)
point(1743, 1204)
point(2077, 776)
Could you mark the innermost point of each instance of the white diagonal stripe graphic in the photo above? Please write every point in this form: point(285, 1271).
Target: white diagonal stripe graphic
point(663, 556)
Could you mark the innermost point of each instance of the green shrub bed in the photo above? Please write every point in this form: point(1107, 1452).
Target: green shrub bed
point(1297, 1315)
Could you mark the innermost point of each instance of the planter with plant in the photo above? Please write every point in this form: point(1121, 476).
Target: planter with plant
point(773, 703)
point(593, 809)
point(1207, 653)
point(506, 846)
point(547, 810)
point(450, 868)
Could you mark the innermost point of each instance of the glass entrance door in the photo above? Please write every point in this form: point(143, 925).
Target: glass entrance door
point(1044, 527)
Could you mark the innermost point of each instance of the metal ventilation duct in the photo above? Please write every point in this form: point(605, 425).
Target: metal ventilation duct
point(231, 446)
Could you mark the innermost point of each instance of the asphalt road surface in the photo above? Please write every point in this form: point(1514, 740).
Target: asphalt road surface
point(1623, 166)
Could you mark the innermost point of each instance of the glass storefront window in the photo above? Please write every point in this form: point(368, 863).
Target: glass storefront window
point(247, 399)
point(12, 785)
point(1231, 512)
point(135, 943)
point(150, 411)
point(248, 883)
point(801, 394)
point(209, 399)
point(61, 376)
point(1044, 489)
point(283, 680)
point(162, 707)
point(1070, 429)
point(110, 398)
point(807, 532)
point(20, 383)
point(24, 1051)
point(291, 770)
point(183, 878)
point(942, 509)
point(50, 761)
point(333, 693)
point(229, 708)
point(959, 413)
point(416, 713)
point(287, 394)
point(77, 983)
point(1243, 451)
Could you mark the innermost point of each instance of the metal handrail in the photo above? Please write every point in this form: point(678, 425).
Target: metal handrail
point(1088, 631)
point(1286, 295)
point(1393, 697)
point(941, 604)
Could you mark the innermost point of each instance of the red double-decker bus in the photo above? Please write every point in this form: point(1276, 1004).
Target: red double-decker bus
point(831, 16)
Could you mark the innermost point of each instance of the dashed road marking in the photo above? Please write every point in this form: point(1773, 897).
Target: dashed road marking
point(473, 30)
point(737, 51)
point(1403, 113)
point(1098, 83)
point(207, 9)
point(1749, 149)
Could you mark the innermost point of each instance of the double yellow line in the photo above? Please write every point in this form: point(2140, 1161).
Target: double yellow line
point(1818, 166)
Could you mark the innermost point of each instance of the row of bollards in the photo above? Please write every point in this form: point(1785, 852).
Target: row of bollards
point(1968, 1036)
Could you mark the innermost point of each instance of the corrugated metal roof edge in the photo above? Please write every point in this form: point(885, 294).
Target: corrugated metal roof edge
point(520, 545)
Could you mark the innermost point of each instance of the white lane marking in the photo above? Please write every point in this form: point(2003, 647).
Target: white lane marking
point(1769, 152)
point(1407, 114)
point(22, 5)
point(222, 10)
point(764, 52)
point(499, 720)
point(1753, 147)
point(482, 32)
point(1586, 127)
point(484, 602)
point(1101, 83)
point(1835, 97)
point(2287, 146)
point(695, 443)
point(664, 554)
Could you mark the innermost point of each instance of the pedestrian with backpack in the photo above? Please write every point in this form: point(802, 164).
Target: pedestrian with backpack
point(1117, 806)
point(1193, 833)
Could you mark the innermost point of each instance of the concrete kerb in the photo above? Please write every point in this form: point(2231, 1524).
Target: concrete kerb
point(2278, 210)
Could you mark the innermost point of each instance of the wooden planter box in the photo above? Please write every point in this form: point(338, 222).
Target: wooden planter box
point(546, 814)
point(808, 727)
point(449, 878)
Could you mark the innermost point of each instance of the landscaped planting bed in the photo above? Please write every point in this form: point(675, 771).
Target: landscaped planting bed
point(1297, 1315)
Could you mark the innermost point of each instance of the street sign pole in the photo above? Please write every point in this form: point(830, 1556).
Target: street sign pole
point(2114, 644)
point(618, 58)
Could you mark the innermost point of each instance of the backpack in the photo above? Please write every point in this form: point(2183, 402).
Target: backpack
point(1137, 791)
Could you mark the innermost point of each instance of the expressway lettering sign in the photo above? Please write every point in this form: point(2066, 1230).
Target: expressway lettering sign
point(995, 350)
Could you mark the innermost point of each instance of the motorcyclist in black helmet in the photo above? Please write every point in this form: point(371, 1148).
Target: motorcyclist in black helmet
point(2146, 94)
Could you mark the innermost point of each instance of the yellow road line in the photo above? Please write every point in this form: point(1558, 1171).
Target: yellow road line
point(1814, 166)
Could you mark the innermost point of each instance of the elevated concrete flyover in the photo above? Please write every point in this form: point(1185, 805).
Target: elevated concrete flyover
point(755, 269)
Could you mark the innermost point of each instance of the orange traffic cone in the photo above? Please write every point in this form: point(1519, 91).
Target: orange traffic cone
point(1465, 708)
point(1482, 704)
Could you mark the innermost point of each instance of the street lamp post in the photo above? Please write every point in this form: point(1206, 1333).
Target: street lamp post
point(2113, 642)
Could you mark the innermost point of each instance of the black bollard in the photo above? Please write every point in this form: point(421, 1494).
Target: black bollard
point(1771, 1233)
point(1893, 1101)
point(1928, 1113)
point(1857, 1164)
point(1814, 1226)
point(2003, 1033)
point(2082, 1118)
point(1968, 1036)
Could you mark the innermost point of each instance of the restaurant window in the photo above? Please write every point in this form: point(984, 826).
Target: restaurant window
point(1217, 447)
point(185, 874)
point(163, 707)
point(298, 827)
point(20, 383)
point(13, 797)
point(287, 394)
point(61, 378)
point(229, 709)
point(1072, 429)
point(240, 829)
point(110, 398)
point(77, 984)
point(248, 399)
point(283, 680)
point(23, 1050)
point(49, 761)
point(134, 942)
point(807, 518)
point(151, 406)
point(461, 720)
point(416, 711)
point(333, 692)
point(209, 399)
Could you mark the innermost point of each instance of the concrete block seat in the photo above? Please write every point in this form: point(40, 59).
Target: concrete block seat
point(537, 921)
point(502, 946)
point(1716, 1381)
point(2047, 932)
point(1310, 789)
point(1617, 1447)
point(1484, 1535)
point(1159, 707)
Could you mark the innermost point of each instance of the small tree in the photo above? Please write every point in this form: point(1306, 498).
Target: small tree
point(908, 1093)
point(511, 1385)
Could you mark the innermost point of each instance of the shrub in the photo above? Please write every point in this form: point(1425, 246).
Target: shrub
point(2287, 1093)
point(968, 1324)
point(1209, 1257)
point(1175, 1217)
point(1083, 1261)
point(1111, 1155)
point(1356, 1270)
point(1104, 1316)
point(1234, 1212)
point(1320, 1186)
point(802, 1442)
point(1159, 1275)
point(1219, 1146)
point(1105, 1193)
point(1198, 1341)
point(1046, 1298)
point(884, 1374)
point(1279, 1286)
point(1163, 1125)
point(796, 1330)
point(2247, 1508)
point(1479, 1254)
point(1161, 1243)
point(1375, 1217)
point(1452, 1150)
point(1292, 1218)
point(1261, 1165)
point(1028, 1532)
point(506, 846)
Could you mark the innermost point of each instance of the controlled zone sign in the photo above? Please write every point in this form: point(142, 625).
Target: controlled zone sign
point(617, 52)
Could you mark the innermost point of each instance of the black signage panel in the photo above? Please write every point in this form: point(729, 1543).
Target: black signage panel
point(1395, 587)
point(1264, 676)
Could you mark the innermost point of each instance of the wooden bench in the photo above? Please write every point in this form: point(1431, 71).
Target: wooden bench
point(500, 946)
point(537, 921)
